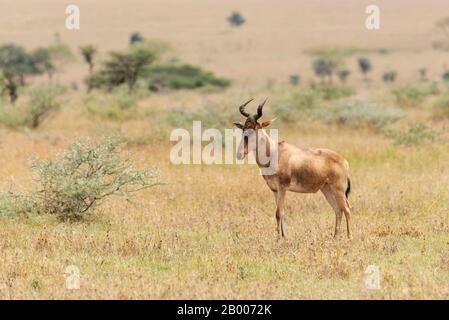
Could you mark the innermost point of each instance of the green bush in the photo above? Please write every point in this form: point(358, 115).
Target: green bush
point(364, 65)
point(389, 76)
point(413, 94)
point(325, 66)
point(299, 107)
point(72, 184)
point(446, 76)
point(236, 19)
point(182, 76)
point(294, 79)
point(43, 102)
point(416, 134)
point(442, 105)
point(118, 105)
point(359, 113)
point(329, 91)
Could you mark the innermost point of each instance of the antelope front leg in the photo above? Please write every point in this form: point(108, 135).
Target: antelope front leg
point(280, 197)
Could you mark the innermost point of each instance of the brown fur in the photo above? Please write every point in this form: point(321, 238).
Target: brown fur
point(304, 171)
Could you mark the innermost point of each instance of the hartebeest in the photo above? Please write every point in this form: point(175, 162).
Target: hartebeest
point(298, 170)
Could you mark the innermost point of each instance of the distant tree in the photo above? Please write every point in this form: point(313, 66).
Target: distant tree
point(60, 54)
point(236, 19)
point(423, 74)
point(364, 65)
point(15, 65)
point(88, 52)
point(343, 74)
point(135, 38)
point(389, 76)
point(294, 79)
point(324, 67)
point(42, 62)
point(123, 67)
point(16, 61)
point(446, 76)
point(9, 83)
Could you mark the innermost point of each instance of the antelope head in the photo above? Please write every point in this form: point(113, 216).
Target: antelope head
point(250, 128)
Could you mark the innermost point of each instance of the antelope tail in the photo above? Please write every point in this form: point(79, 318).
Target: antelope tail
point(348, 189)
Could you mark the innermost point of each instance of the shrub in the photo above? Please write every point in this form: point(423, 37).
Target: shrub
point(43, 103)
point(423, 74)
point(359, 113)
point(442, 105)
point(343, 75)
point(182, 76)
point(294, 79)
point(300, 106)
point(416, 134)
point(389, 76)
point(325, 66)
point(329, 91)
point(236, 19)
point(72, 184)
point(117, 105)
point(88, 52)
point(364, 65)
point(446, 76)
point(414, 94)
point(122, 67)
point(135, 37)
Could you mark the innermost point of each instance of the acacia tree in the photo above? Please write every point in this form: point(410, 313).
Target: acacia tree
point(88, 52)
point(364, 65)
point(135, 37)
point(123, 67)
point(236, 19)
point(15, 64)
point(42, 62)
point(343, 74)
point(9, 83)
point(325, 67)
point(14, 59)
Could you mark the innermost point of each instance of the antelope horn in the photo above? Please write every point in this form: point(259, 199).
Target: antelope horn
point(259, 110)
point(242, 108)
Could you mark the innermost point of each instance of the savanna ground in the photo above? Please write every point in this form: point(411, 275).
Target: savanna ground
point(210, 231)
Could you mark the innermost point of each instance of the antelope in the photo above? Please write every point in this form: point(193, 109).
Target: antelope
point(298, 170)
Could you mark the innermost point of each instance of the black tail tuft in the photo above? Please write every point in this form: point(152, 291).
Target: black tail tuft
point(348, 189)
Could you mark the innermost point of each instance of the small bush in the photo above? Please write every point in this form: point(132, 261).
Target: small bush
point(325, 66)
point(343, 75)
point(182, 76)
point(389, 76)
point(294, 79)
point(300, 106)
point(358, 113)
point(236, 19)
point(417, 134)
point(329, 91)
point(446, 76)
point(72, 184)
point(442, 105)
point(43, 102)
point(118, 105)
point(414, 94)
point(135, 37)
point(364, 65)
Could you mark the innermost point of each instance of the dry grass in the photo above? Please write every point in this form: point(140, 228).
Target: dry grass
point(210, 232)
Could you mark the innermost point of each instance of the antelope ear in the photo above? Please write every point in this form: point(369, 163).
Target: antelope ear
point(238, 125)
point(267, 123)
